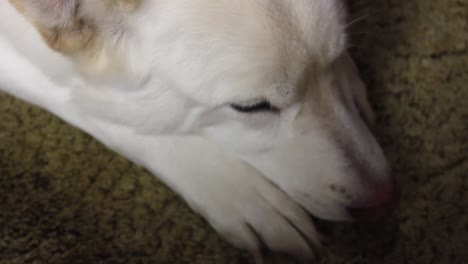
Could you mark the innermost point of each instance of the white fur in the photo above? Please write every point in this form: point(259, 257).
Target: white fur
point(187, 61)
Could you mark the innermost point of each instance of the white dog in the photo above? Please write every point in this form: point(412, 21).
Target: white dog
point(251, 110)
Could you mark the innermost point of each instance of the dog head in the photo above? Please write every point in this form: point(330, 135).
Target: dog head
point(268, 80)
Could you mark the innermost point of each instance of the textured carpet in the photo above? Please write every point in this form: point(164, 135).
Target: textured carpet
point(64, 198)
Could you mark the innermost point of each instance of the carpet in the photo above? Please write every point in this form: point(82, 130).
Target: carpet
point(64, 198)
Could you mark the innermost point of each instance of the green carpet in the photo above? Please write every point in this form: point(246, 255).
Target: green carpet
point(64, 198)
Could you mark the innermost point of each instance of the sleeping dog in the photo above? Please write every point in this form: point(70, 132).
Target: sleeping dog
point(252, 110)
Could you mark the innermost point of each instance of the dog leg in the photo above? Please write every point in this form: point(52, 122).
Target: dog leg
point(239, 202)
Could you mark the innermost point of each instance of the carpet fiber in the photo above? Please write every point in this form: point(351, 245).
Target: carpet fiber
point(64, 198)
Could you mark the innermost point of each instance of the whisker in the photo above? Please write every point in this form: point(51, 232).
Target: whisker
point(356, 20)
point(360, 18)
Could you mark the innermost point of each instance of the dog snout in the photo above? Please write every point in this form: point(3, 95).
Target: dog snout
point(382, 202)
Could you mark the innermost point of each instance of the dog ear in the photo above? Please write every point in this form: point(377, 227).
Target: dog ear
point(59, 23)
point(47, 13)
point(82, 30)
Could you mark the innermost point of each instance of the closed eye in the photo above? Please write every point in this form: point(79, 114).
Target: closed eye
point(260, 106)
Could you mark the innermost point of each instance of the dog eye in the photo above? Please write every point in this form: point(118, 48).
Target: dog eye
point(261, 106)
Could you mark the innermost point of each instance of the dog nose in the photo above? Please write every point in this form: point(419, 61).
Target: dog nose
point(382, 202)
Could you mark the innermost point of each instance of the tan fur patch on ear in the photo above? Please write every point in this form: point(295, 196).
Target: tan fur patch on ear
point(18, 4)
point(127, 5)
point(79, 37)
point(76, 36)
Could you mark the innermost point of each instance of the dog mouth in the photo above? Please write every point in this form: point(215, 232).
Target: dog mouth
point(362, 219)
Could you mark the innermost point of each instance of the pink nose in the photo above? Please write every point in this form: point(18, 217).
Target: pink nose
point(384, 200)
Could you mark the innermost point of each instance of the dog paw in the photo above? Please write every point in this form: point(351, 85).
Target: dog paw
point(252, 213)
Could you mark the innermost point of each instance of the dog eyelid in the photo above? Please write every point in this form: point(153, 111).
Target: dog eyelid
point(260, 106)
